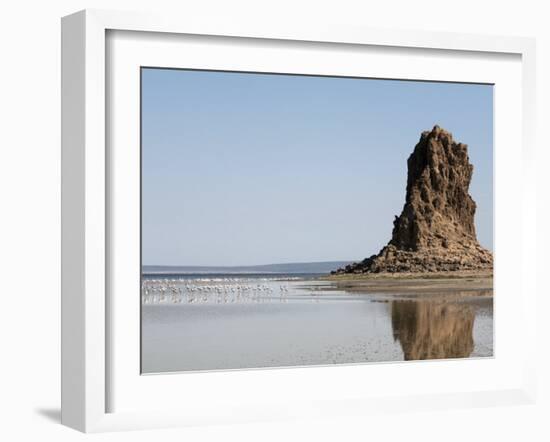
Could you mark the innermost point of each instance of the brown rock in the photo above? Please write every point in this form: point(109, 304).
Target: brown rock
point(435, 231)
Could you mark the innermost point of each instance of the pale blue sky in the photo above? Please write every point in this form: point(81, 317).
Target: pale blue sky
point(242, 169)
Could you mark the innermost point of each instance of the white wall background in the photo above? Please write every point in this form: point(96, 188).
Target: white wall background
point(30, 215)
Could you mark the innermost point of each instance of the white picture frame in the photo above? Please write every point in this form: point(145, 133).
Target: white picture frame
point(89, 322)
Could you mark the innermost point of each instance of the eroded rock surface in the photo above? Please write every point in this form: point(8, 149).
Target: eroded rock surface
point(435, 231)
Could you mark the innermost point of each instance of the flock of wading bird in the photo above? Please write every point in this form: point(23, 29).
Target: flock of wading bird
point(180, 291)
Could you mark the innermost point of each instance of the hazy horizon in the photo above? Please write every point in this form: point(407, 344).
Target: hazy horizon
point(243, 169)
point(251, 265)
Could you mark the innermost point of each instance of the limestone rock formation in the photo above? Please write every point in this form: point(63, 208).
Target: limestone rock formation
point(435, 231)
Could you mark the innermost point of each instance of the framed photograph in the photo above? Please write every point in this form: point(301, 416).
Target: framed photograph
point(269, 223)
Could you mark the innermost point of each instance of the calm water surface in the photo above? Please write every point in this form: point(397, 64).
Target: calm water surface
point(211, 322)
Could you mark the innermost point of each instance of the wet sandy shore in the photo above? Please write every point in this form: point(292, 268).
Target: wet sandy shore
point(467, 283)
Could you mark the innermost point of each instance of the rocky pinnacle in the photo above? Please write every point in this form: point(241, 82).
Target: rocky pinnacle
point(435, 231)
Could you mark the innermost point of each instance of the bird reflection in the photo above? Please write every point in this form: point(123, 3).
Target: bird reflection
point(433, 329)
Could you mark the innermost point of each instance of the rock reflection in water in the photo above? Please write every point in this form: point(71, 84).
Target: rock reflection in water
point(433, 329)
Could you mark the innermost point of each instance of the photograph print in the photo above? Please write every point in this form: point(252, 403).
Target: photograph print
point(297, 220)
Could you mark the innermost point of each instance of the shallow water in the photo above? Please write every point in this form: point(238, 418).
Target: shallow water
point(228, 322)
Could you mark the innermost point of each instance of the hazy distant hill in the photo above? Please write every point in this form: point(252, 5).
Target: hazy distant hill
point(295, 267)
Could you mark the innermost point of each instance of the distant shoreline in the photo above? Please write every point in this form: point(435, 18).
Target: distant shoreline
point(322, 267)
point(236, 273)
